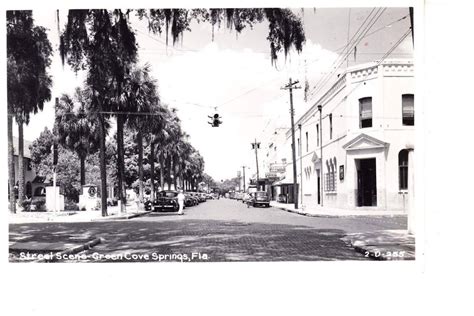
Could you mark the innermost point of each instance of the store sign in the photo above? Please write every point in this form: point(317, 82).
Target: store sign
point(277, 168)
point(271, 175)
point(341, 172)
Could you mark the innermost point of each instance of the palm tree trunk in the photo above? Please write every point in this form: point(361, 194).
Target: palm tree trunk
point(140, 164)
point(152, 170)
point(120, 162)
point(103, 167)
point(168, 167)
point(83, 169)
point(21, 166)
point(175, 180)
point(162, 173)
point(11, 165)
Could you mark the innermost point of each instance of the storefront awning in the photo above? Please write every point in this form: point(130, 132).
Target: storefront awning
point(288, 180)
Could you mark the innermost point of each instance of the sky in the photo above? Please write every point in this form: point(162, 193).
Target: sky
point(233, 76)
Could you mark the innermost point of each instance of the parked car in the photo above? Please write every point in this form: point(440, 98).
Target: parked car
point(282, 198)
point(148, 204)
point(246, 198)
point(259, 198)
point(189, 200)
point(166, 200)
point(238, 196)
point(202, 196)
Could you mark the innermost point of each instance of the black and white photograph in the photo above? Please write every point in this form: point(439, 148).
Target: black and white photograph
point(210, 135)
point(236, 158)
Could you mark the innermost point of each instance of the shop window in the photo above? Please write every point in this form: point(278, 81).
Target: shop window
point(403, 169)
point(408, 110)
point(330, 176)
point(365, 112)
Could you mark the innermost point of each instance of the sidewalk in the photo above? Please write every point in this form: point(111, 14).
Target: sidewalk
point(331, 212)
point(76, 216)
point(384, 245)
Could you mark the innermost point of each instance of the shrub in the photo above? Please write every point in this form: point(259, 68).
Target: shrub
point(26, 205)
point(70, 205)
point(39, 205)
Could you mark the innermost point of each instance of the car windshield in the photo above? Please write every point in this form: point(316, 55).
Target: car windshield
point(168, 194)
point(261, 194)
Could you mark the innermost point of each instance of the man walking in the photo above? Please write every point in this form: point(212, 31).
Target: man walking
point(181, 202)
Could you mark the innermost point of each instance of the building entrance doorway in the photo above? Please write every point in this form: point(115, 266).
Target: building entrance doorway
point(366, 182)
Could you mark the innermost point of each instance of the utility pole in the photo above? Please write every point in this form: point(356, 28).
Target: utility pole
point(243, 173)
point(55, 155)
point(290, 86)
point(256, 146)
point(301, 164)
point(239, 177)
point(320, 109)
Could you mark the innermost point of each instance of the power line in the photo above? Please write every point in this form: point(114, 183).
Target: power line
point(348, 44)
point(321, 83)
point(399, 41)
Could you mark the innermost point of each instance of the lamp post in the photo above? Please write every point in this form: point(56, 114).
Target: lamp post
point(256, 146)
point(320, 109)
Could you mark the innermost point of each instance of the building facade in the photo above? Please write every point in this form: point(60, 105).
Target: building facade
point(30, 175)
point(352, 145)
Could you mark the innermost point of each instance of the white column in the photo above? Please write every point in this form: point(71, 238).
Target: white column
point(411, 191)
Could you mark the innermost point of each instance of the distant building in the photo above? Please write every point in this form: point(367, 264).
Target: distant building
point(32, 182)
point(366, 133)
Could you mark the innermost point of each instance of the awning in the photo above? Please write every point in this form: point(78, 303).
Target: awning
point(288, 180)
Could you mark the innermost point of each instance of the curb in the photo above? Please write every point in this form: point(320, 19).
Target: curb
point(333, 216)
point(73, 250)
point(312, 215)
point(120, 217)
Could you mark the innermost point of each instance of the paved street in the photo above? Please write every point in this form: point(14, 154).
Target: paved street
point(217, 230)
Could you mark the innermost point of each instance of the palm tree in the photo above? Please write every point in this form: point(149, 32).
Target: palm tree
point(29, 84)
point(167, 148)
point(77, 126)
point(103, 44)
point(158, 134)
point(141, 102)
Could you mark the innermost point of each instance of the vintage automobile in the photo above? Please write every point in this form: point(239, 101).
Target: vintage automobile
point(239, 196)
point(189, 200)
point(194, 196)
point(201, 196)
point(166, 201)
point(148, 204)
point(282, 198)
point(246, 198)
point(259, 198)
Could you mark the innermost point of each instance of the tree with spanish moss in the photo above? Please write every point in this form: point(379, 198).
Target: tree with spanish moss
point(103, 43)
point(28, 85)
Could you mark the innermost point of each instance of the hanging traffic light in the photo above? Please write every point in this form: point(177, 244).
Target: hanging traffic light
point(216, 120)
